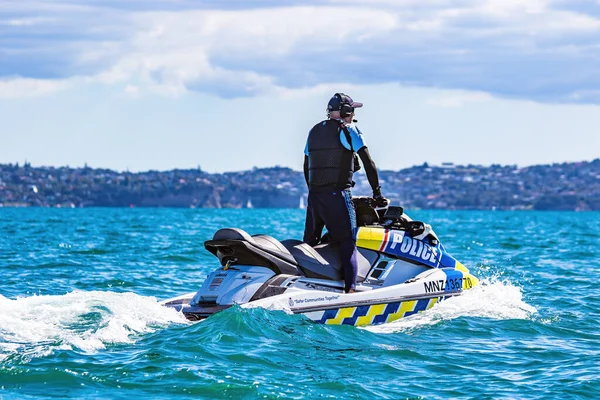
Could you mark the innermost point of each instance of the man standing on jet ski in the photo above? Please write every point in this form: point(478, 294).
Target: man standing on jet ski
point(329, 164)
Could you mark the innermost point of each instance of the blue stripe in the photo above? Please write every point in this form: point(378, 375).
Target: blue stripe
point(348, 200)
point(380, 319)
point(389, 309)
point(360, 311)
point(451, 274)
point(420, 306)
point(328, 314)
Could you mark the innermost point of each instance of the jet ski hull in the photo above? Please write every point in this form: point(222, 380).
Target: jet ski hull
point(368, 306)
point(362, 315)
point(193, 312)
point(355, 313)
point(373, 305)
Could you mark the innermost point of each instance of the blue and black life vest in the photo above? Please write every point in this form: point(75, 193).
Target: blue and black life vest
point(330, 164)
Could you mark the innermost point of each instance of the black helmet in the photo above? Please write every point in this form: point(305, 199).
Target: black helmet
point(343, 103)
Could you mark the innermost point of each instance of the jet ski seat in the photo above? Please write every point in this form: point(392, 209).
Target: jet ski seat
point(323, 260)
point(291, 257)
point(232, 234)
point(233, 244)
point(270, 242)
point(264, 241)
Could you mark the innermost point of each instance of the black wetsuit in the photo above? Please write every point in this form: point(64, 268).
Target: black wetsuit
point(329, 164)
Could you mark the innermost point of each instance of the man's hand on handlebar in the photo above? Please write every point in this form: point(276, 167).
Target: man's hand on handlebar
point(380, 201)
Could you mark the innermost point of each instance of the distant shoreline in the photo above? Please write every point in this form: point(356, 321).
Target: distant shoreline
point(558, 187)
point(11, 207)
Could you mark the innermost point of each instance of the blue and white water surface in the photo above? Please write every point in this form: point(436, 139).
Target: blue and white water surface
point(79, 316)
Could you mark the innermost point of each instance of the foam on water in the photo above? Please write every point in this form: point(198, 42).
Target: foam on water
point(276, 306)
point(493, 298)
point(87, 321)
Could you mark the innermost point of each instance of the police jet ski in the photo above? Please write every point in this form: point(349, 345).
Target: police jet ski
point(403, 269)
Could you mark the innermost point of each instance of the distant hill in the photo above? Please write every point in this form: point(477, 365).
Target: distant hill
point(566, 186)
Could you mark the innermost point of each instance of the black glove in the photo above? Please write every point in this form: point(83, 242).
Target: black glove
point(380, 201)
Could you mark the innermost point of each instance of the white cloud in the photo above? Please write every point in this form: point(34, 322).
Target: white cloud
point(175, 49)
point(17, 22)
point(322, 90)
point(589, 96)
point(25, 87)
point(458, 99)
point(495, 46)
point(131, 91)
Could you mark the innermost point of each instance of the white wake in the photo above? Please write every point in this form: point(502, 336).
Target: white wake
point(493, 298)
point(39, 325)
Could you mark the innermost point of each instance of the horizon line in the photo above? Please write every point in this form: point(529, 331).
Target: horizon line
point(448, 164)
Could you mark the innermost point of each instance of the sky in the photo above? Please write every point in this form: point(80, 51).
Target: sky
point(229, 85)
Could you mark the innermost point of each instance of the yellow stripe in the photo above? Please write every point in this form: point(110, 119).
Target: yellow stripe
point(379, 309)
point(408, 306)
point(466, 274)
point(341, 314)
point(370, 238)
point(372, 313)
point(474, 281)
point(461, 267)
point(405, 307)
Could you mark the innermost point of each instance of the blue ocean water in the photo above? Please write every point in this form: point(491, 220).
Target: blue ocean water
point(79, 315)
